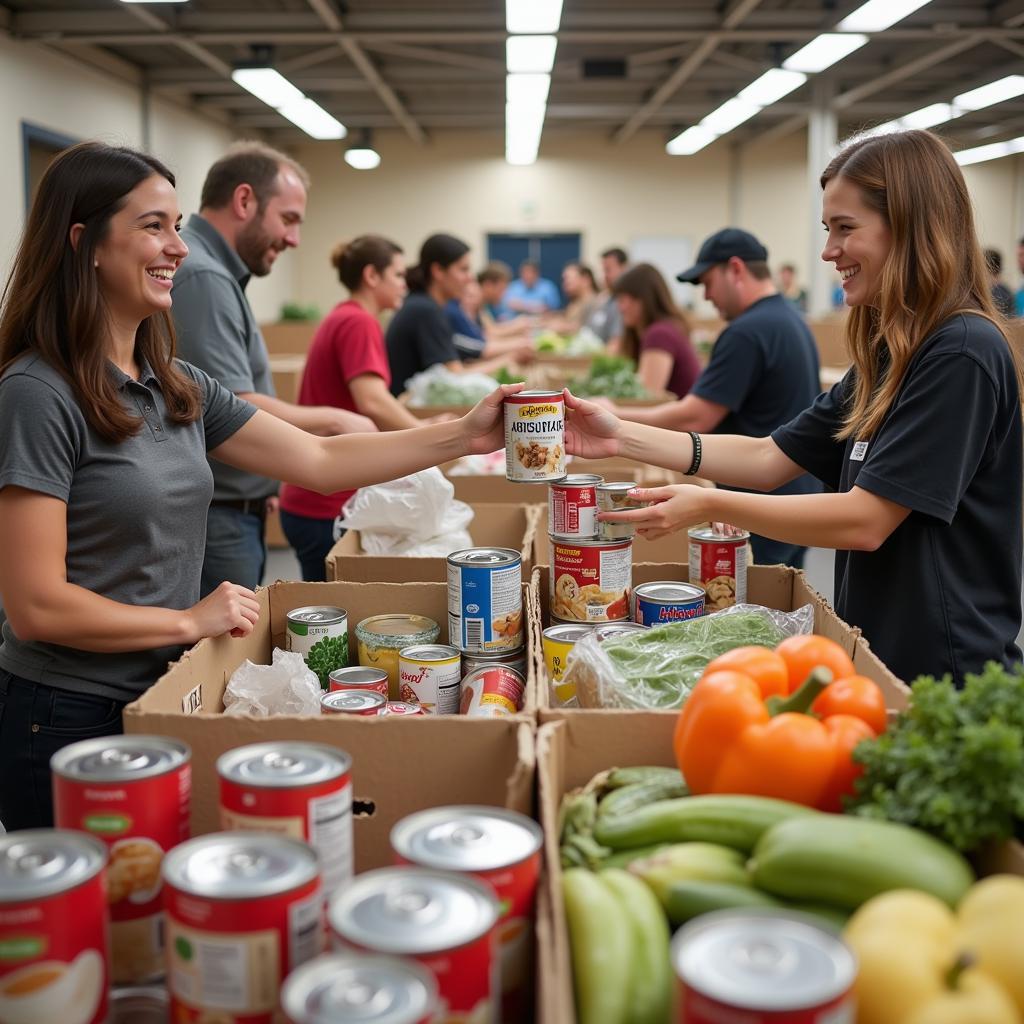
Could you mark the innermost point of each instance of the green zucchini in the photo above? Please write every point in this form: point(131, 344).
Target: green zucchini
point(633, 775)
point(627, 799)
point(624, 858)
point(686, 900)
point(844, 861)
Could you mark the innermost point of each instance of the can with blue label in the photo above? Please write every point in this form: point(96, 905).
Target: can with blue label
point(485, 600)
point(655, 604)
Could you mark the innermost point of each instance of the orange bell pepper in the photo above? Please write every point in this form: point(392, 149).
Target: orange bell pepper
point(766, 667)
point(730, 739)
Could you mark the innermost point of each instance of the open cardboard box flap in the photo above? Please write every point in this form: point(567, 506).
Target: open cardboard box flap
point(400, 765)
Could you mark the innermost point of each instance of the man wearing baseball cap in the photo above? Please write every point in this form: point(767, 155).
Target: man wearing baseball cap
point(763, 369)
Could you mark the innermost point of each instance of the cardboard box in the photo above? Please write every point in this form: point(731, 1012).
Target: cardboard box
point(774, 586)
point(830, 337)
point(286, 372)
point(400, 764)
point(493, 526)
point(289, 337)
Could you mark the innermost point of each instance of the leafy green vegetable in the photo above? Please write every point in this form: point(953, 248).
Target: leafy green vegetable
point(449, 392)
point(611, 377)
point(505, 376)
point(953, 763)
point(296, 311)
point(326, 655)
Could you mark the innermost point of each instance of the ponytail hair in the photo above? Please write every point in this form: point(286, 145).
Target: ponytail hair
point(441, 249)
point(350, 259)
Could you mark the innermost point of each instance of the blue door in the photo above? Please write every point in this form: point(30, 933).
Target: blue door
point(551, 251)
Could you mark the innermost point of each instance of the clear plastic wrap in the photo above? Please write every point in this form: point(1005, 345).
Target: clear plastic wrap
point(438, 386)
point(286, 687)
point(654, 670)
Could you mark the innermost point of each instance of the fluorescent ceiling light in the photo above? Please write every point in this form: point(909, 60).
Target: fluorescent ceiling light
point(730, 114)
point(928, 117)
point(878, 15)
point(523, 126)
point(362, 159)
point(530, 90)
point(993, 151)
point(313, 119)
point(693, 140)
point(268, 85)
point(823, 51)
point(994, 92)
point(772, 86)
point(530, 53)
point(533, 17)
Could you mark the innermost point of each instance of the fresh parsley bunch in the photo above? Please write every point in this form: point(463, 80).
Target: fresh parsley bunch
point(953, 762)
point(326, 655)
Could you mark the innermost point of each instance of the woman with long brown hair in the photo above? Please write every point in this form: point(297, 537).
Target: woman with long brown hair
point(656, 335)
point(104, 483)
point(921, 441)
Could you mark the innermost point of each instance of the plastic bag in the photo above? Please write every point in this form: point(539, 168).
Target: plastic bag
point(414, 515)
point(286, 687)
point(655, 669)
point(439, 386)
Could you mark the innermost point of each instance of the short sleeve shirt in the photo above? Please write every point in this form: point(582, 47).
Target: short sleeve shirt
point(666, 336)
point(418, 337)
point(217, 332)
point(943, 593)
point(348, 344)
point(541, 296)
point(136, 510)
point(468, 336)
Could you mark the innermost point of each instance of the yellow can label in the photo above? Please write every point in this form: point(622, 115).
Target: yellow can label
point(555, 654)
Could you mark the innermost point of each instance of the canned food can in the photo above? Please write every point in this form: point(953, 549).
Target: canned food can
point(380, 637)
point(503, 850)
point(320, 632)
point(244, 910)
point(352, 702)
point(54, 946)
point(133, 794)
point(512, 659)
point(493, 692)
point(572, 506)
point(535, 436)
point(138, 1004)
point(431, 675)
point(444, 921)
point(402, 707)
point(719, 564)
point(763, 967)
point(558, 640)
point(654, 604)
point(611, 629)
point(614, 497)
point(351, 988)
point(302, 790)
point(357, 677)
point(485, 600)
point(590, 579)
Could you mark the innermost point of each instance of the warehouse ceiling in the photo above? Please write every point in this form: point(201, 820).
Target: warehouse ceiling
point(423, 67)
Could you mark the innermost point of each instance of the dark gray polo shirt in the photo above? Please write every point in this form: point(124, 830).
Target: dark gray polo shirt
point(136, 519)
point(218, 333)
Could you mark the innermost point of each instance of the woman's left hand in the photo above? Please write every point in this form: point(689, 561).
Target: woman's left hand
point(671, 508)
point(483, 427)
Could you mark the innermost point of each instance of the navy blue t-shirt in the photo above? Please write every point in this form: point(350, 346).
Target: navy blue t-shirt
point(943, 593)
point(418, 337)
point(467, 335)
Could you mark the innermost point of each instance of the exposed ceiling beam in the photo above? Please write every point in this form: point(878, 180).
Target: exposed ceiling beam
point(663, 53)
point(1009, 44)
point(456, 60)
point(104, 61)
point(189, 46)
point(734, 60)
point(308, 60)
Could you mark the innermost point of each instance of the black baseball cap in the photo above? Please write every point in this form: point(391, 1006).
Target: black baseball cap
point(720, 248)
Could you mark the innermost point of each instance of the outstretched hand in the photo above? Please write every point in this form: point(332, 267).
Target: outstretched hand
point(483, 427)
point(591, 432)
point(671, 508)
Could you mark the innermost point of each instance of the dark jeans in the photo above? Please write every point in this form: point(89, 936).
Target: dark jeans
point(235, 549)
point(35, 722)
point(774, 552)
point(312, 539)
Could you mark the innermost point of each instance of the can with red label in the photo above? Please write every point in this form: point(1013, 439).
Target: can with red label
point(243, 911)
point(351, 988)
point(719, 564)
point(572, 506)
point(445, 921)
point(655, 604)
point(763, 967)
point(302, 790)
point(514, 659)
point(54, 942)
point(402, 707)
point(352, 702)
point(501, 848)
point(493, 692)
point(133, 793)
point(590, 579)
point(359, 678)
point(430, 675)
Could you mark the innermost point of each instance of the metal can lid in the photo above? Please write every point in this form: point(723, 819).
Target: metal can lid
point(568, 632)
point(397, 625)
point(346, 988)
point(42, 862)
point(358, 674)
point(402, 707)
point(495, 657)
point(484, 556)
point(618, 485)
point(239, 865)
point(706, 533)
point(322, 614)
point(283, 764)
point(352, 702)
point(770, 960)
point(606, 630)
point(139, 1004)
point(119, 758)
point(411, 911)
point(428, 652)
point(466, 838)
point(520, 396)
point(579, 480)
point(558, 541)
point(669, 592)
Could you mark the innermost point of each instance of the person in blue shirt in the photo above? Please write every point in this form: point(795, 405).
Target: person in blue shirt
point(531, 293)
point(1019, 297)
point(474, 339)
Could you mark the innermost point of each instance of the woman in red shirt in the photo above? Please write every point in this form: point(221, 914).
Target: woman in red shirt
point(347, 367)
point(655, 335)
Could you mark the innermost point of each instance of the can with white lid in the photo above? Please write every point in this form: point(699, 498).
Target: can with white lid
point(244, 909)
point(368, 703)
point(54, 944)
point(139, 1004)
point(444, 921)
point(133, 793)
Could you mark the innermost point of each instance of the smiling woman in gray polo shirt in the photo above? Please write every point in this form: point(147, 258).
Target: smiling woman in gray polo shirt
point(104, 483)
